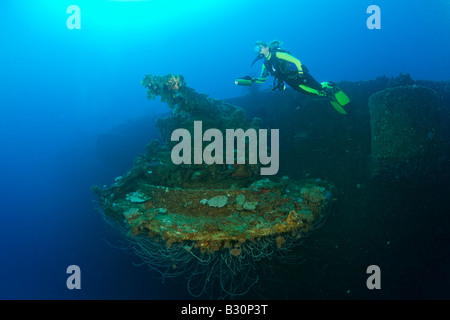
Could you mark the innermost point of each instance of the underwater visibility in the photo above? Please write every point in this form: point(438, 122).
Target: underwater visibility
point(225, 150)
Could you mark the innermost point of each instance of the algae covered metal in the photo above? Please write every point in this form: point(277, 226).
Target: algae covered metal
point(208, 221)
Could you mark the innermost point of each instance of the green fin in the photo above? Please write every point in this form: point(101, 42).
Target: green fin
point(337, 97)
point(341, 97)
point(337, 107)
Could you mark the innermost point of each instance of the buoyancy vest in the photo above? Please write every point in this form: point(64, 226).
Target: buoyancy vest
point(280, 68)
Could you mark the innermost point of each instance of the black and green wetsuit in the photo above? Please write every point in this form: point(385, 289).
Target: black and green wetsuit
point(288, 69)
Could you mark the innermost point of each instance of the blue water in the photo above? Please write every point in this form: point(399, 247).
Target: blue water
point(61, 88)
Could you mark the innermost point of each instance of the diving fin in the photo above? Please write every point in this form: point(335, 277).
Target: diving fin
point(341, 97)
point(337, 97)
point(337, 107)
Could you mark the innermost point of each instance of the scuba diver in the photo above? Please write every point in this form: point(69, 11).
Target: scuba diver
point(287, 69)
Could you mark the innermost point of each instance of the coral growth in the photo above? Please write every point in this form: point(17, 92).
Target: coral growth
point(179, 215)
point(172, 213)
point(164, 86)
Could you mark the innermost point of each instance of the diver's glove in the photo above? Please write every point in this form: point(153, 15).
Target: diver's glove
point(258, 80)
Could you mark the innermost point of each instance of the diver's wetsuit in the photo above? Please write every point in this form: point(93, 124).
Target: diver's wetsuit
point(288, 69)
